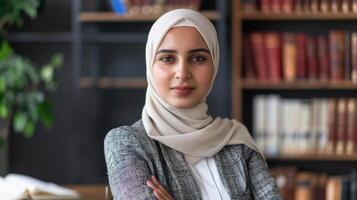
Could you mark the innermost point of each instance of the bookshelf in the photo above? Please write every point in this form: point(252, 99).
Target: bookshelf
point(89, 28)
point(244, 89)
point(304, 121)
point(95, 17)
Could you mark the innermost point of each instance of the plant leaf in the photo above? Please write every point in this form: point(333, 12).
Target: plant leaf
point(29, 129)
point(5, 49)
point(20, 121)
point(46, 113)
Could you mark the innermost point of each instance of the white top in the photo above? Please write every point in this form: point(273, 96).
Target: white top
point(206, 175)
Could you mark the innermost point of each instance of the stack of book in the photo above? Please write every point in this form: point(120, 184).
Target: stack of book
point(298, 6)
point(299, 185)
point(276, 56)
point(147, 7)
point(319, 126)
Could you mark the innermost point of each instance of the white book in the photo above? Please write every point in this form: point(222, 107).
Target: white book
point(17, 186)
point(272, 125)
point(259, 120)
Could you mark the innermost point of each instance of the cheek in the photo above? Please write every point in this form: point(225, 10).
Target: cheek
point(205, 77)
point(161, 77)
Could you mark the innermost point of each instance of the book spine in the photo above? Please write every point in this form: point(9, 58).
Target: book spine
point(249, 72)
point(289, 56)
point(351, 126)
point(337, 49)
point(273, 55)
point(341, 126)
point(330, 147)
point(257, 43)
point(323, 58)
point(347, 56)
point(301, 56)
point(311, 58)
point(354, 57)
point(249, 5)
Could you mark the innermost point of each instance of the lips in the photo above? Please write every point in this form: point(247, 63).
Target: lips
point(182, 91)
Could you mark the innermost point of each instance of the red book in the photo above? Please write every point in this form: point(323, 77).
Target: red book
point(354, 57)
point(265, 5)
point(257, 43)
point(322, 48)
point(337, 52)
point(341, 126)
point(275, 5)
point(273, 55)
point(249, 72)
point(301, 56)
point(287, 6)
point(311, 52)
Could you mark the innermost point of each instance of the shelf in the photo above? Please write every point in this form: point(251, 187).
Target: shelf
point(313, 157)
point(112, 17)
point(40, 37)
point(115, 37)
point(258, 16)
point(113, 83)
point(296, 85)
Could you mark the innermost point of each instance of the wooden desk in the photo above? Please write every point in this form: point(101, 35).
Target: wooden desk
point(90, 191)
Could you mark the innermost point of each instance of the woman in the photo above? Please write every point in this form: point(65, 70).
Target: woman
point(178, 151)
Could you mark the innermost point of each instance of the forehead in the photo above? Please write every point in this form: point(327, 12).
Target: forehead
point(183, 36)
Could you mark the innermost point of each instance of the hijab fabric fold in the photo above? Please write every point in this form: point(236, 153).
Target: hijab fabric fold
point(190, 131)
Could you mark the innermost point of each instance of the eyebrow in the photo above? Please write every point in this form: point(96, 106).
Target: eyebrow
point(190, 51)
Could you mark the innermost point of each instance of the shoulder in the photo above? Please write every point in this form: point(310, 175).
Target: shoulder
point(241, 151)
point(127, 136)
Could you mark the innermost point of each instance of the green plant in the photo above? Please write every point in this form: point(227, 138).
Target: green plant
point(23, 85)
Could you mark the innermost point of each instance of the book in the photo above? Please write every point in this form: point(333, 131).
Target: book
point(354, 57)
point(351, 126)
point(337, 53)
point(273, 55)
point(289, 56)
point(18, 186)
point(257, 44)
point(341, 126)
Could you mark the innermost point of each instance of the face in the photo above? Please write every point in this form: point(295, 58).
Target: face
point(183, 67)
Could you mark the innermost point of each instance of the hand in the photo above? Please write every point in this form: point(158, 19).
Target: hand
point(159, 191)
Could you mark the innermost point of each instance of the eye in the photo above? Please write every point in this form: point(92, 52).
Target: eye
point(198, 59)
point(167, 59)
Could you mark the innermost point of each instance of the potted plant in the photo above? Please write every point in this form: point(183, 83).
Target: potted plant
point(23, 85)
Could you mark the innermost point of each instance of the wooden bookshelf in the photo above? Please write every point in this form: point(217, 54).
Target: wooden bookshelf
point(112, 83)
point(244, 22)
point(313, 157)
point(259, 16)
point(296, 85)
point(112, 17)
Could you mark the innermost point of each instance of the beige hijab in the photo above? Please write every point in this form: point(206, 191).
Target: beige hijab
point(190, 131)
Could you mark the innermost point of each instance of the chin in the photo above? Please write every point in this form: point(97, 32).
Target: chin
point(182, 105)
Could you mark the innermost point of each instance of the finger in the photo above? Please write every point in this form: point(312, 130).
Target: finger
point(151, 185)
point(158, 194)
point(160, 187)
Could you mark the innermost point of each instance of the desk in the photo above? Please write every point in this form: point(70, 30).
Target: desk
point(90, 191)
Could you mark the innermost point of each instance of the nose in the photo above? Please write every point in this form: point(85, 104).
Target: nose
point(182, 71)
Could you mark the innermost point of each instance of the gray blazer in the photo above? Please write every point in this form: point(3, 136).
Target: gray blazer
point(132, 157)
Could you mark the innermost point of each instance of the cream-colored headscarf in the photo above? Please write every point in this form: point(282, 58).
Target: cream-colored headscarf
point(191, 131)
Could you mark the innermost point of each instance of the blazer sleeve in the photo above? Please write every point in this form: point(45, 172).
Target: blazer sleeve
point(263, 184)
point(127, 167)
